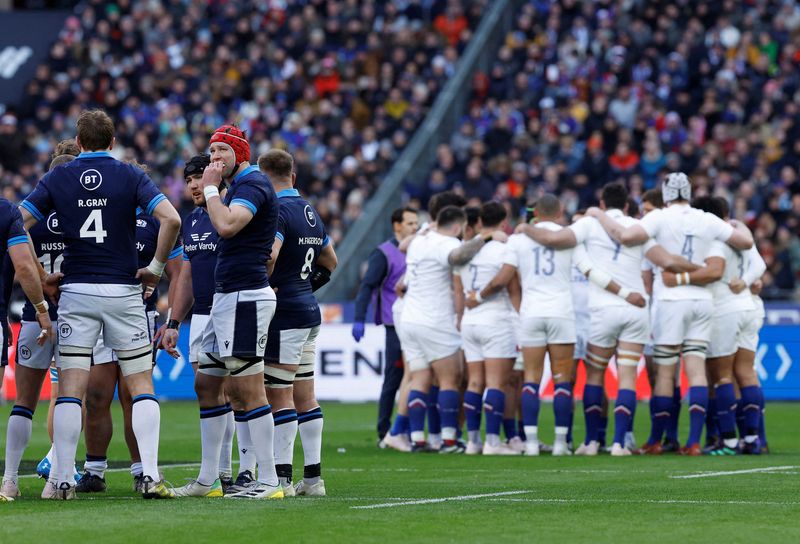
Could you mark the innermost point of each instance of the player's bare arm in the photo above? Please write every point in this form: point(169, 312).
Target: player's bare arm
point(514, 289)
point(673, 263)
point(556, 239)
point(464, 253)
point(741, 238)
point(755, 269)
point(497, 283)
point(630, 236)
point(182, 301)
point(276, 250)
point(28, 276)
point(173, 272)
point(604, 280)
point(711, 272)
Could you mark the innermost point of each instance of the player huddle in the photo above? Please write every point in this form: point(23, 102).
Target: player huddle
point(244, 265)
point(679, 284)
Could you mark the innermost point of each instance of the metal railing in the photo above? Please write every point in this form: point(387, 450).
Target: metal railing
point(415, 162)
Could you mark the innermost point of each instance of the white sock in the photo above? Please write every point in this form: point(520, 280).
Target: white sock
point(146, 422)
point(493, 439)
point(51, 454)
point(136, 469)
point(262, 433)
point(561, 435)
point(310, 427)
point(434, 439)
point(96, 466)
point(17, 436)
point(226, 451)
point(67, 419)
point(212, 430)
point(247, 459)
point(285, 433)
point(531, 434)
point(474, 436)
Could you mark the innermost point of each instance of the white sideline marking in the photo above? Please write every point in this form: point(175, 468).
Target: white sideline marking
point(126, 469)
point(651, 501)
point(732, 472)
point(442, 499)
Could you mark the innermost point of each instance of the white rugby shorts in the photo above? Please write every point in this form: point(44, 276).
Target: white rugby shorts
point(726, 334)
point(619, 323)
point(423, 344)
point(286, 347)
point(540, 331)
point(676, 321)
point(481, 342)
point(582, 324)
point(117, 312)
point(101, 354)
point(196, 328)
point(748, 339)
point(31, 354)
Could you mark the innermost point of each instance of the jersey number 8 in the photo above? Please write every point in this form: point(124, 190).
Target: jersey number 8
point(308, 264)
point(93, 227)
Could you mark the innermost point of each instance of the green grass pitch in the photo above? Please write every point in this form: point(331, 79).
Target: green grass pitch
point(543, 499)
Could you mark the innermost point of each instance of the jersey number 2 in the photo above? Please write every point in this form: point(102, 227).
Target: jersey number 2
point(93, 227)
point(307, 264)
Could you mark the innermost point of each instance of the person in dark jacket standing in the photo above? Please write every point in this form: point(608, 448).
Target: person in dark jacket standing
point(385, 267)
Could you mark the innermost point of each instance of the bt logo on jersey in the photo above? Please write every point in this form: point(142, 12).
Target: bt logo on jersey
point(52, 224)
point(310, 217)
point(91, 179)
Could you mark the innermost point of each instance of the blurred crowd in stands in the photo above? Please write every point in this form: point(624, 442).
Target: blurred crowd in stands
point(341, 84)
point(583, 93)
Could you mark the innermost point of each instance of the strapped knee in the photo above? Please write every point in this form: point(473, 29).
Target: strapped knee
point(306, 370)
point(211, 364)
point(663, 355)
point(627, 357)
point(72, 357)
point(696, 348)
point(134, 361)
point(244, 366)
point(278, 377)
point(596, 361)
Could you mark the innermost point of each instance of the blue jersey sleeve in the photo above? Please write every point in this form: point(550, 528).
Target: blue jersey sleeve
point(16, 228)
point(177, 251)
point(39, 203)
point(249, 196)
point(280, 230)
point(147, 194)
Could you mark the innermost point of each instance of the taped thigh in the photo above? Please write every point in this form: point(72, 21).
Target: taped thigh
point(211, 364)
point(696, 348)
point(666, 355)
point(627, 357)
point(595, 361)
point(244, 366)
point(134, 361)
point(278, 377)
point(73, 357)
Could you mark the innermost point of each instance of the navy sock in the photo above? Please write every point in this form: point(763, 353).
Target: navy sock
point(448, 411)
point(740, 424)
point(762, 430)
point(652, 439)
point(726, 410)
point(601, 430)
point(712, 421)
point(571, 421)
point(698, 404)
point(623, 414)
point(530, 404)
point(510, 428)
point(400, 425)
point(521, 430)
point(473, 405)
point(674, 415)
point(751, 409)
point(660, 407)
point(494, 406)
point(417, 407)
point(434, 419)
point(562, 403)
point(592, 410)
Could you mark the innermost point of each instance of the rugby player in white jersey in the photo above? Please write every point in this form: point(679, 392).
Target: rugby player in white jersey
point(682, 324)
point(429, 338)
point(490, 344)
point(620, 323)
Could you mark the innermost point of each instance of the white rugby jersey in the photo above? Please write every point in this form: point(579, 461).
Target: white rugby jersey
point(475, 275)
point(725, 300)
point(545, 274)
point(622, 263)
point(580, 285)
point(683, 230)
point(754, 268)
point(429, 297)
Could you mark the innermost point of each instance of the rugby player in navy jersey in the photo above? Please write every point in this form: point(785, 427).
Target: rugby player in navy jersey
point(195, 293)
point(302, 261)
point(244, 303)
point(96, 197)
point(15, 239)
point(105, 374)
point(33, 360)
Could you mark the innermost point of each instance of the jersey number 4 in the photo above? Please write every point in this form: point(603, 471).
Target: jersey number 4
point(93, 227)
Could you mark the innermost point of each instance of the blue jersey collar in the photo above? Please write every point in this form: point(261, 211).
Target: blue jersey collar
point(288, 192)
point(250, 169)
point(93, 154)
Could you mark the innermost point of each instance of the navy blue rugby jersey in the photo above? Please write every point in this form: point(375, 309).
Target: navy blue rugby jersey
point(242, 259)
point(302, 237)
point(95, 197)
point(146, 244)
point(49, 246)
point(200, 241)
point(12, 233)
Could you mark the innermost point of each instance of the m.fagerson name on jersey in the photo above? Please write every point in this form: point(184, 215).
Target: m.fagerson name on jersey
point(200, 246)
point(309, 241)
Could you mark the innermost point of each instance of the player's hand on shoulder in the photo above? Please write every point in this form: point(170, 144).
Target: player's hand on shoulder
point(636, 299)
point(149, 280)
point(594, 211)
point(669, 279)
point(500, 236)
point(520, 229)
point(737, 285)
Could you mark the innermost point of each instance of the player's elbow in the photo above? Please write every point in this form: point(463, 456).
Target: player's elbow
point(227, 231)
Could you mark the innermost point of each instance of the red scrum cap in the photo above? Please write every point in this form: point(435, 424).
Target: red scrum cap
point(234, 137)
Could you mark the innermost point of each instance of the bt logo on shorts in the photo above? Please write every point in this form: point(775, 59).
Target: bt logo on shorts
point(262, 342)
point(311, 219)
point(64, 330)
point(91, 179)
point(25, 352)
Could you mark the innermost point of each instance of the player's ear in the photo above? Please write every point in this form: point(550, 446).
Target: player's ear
point(113, 141)
point(294, 178)
point(78, 143)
